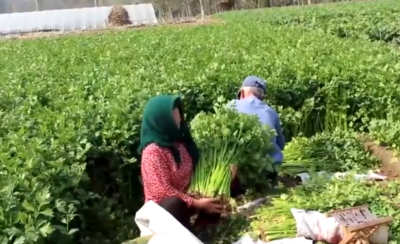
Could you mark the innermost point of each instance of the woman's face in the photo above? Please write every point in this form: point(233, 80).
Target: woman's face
point(177, 117)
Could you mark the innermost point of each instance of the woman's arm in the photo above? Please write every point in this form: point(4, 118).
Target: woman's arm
point(156, 177)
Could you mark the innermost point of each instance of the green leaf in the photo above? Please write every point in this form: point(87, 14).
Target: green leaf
point(48, 212)
point(72, 231)
point(27, 206)
point(46, 230)
point(19, 240)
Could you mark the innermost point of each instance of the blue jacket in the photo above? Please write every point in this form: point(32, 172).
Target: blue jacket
point(268, 116)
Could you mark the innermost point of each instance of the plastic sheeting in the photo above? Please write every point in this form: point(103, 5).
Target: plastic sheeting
point(71, 19)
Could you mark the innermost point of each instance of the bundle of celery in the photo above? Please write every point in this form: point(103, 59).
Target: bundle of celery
point(335, 151)
point(242, 134)
point(303, 155)
point(212, 176)
point(275, 222)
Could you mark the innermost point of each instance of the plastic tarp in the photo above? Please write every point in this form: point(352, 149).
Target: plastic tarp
point(163, 228)
point(71, 19)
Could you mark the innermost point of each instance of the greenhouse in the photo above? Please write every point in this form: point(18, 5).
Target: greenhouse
point(71, 19)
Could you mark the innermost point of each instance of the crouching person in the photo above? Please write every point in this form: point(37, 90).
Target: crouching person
point(250, 101)
point(168, 157)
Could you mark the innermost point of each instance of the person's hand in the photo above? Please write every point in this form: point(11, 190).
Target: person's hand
point(209, 205)
point(234, 170)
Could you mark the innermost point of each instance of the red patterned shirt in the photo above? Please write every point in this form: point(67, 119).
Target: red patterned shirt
point(161, 176)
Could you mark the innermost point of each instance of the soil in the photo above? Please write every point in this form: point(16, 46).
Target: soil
point(390, 163)
point(289, 181)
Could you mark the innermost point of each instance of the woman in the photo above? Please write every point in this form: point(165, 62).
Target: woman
point(169, 156)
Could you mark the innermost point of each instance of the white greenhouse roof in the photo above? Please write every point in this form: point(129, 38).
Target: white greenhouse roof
point(71, 19)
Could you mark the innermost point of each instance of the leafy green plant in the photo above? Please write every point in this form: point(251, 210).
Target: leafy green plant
point(386, 132)
point(240, 134)
point(337, 151)
point(374, 21)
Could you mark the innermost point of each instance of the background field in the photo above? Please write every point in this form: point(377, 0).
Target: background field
point(71, 106)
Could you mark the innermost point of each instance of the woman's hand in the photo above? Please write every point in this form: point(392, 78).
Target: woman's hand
point(234, 170)
point(209, 205)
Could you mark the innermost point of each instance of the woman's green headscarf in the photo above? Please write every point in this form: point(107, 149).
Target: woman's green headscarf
point(159, 126)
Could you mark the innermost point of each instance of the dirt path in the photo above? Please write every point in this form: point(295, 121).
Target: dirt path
point(390, 163)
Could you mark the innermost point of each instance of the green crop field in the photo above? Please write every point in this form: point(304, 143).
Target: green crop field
point(71, 109)
point(369, 20)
